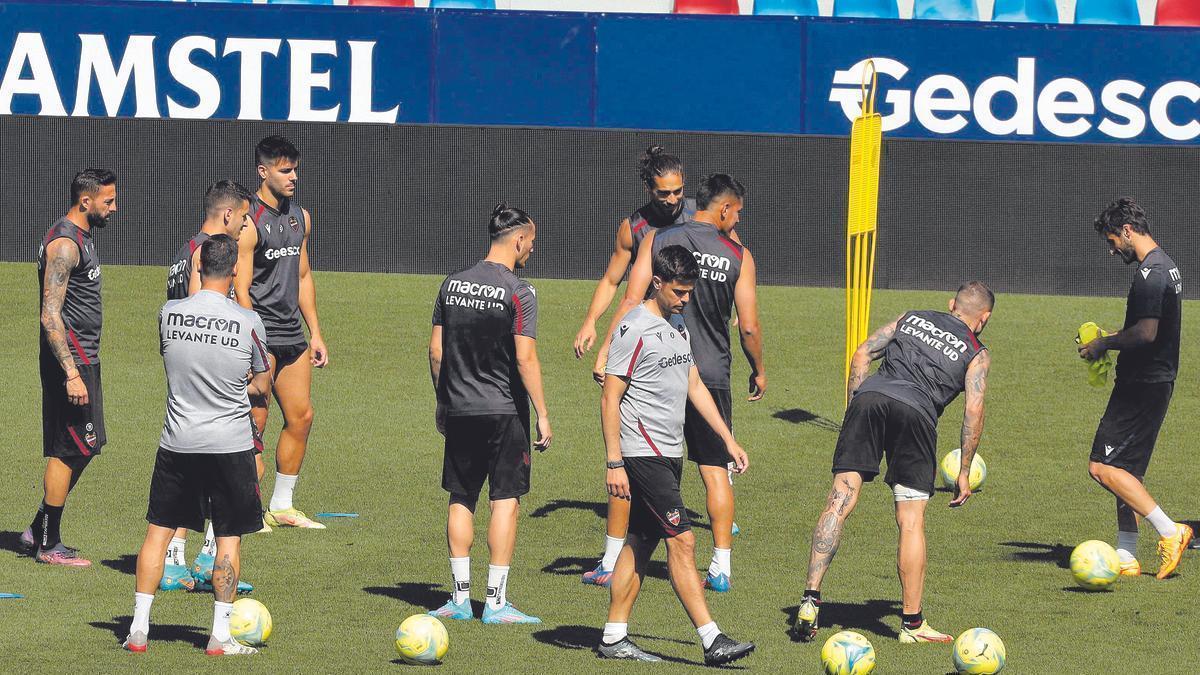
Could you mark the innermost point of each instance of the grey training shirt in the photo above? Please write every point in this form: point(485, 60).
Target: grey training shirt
point(209, 343)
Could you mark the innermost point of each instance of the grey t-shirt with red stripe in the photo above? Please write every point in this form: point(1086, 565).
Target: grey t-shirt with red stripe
point(275, 290)
point(82, 310)
point(179, 274)
point(655, 356)
point(648, 218)
point(480, 309)
point(209, 343)
point(707, 315)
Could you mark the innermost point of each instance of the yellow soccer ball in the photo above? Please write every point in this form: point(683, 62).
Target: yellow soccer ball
point(979, 651)
point(848, 653)
point(422, 640)
point(250, 623)
point(1095, 565)
point(951, 464)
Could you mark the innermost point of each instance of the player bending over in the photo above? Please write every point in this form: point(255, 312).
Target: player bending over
point(214, 357)
point(485, 369)
point(1146, 369)
point(650, 378)
point(928, 359)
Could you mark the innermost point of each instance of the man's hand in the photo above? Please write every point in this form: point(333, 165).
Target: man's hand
point(962, 490)
point(584, 339)
point(758, 386)
point(598, 372)
point(1093, 350)
point(545, 435)
point(617, 483)
point(320, 353)
point(741, 461)
point(439, 419)
point(77, 392)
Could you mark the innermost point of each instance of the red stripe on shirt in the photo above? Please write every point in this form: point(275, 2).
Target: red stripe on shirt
point(261, 349)
point(971, 335)
point(79, 348)
point(737, 250)
point(82, 447)
point(192, 245)
point(520, 318)
point(258, 213)
point(647, 437)
point(641, 225)
point(633, 359)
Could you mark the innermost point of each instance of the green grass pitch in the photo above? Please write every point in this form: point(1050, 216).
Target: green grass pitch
point(338, 595)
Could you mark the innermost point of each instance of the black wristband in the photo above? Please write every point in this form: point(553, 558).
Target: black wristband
point(620, 463)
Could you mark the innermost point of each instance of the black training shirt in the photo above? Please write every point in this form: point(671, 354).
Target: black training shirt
point(1156, 294)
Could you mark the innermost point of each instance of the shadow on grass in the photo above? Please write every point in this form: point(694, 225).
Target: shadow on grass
point(867, 616)
point(429, 596)
point(1081, 589)
point(587, 637)
point(161, 632)
point(801, 416)
point(11, 541)
point(126, 564)
point(600, 510)
point(1059, 554)
point(573, 566)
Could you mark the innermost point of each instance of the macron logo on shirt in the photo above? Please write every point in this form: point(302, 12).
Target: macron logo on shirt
point(1145, 272)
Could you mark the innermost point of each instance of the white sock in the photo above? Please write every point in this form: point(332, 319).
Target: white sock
point(612, 551)
point(141, 612)
point(708, 632)
point(210, 542)
point(460, 569)
point(281, 497)
point(720, 563)
point(221, 612)
point(615, 632)
point(1126, 545)
point(1160, 521)
point(175, 552)
point(497, 587)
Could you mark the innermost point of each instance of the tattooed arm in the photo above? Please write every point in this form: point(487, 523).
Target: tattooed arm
point(871, 350)
point(972, 426)
point(62, 255)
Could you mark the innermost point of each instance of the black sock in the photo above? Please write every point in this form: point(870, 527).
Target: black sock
point(36, 526)
point(815, 595)
point(912, 620)
point(51, 519)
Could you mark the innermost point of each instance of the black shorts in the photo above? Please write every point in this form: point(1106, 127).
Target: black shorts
point(286, 355)
point(1127, 432)
point(70, 430)
point(878, 426)
point(656, 507)
point(704, 446)
point(187, 487)
point(494, 448)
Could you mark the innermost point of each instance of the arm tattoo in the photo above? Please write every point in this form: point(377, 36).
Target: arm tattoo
point(828, 534)
point(57, 275)
point(860, 369)
point(973, 412)
point(224, 580)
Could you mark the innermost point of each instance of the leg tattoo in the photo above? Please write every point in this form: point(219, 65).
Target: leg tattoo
point(828, 533)
point(224, 580)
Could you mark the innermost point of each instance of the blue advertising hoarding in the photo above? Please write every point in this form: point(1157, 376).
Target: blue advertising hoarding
point(1090, 84)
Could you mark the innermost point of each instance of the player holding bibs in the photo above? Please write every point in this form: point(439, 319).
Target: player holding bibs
point(928, 359)
point(650, 378)
point(1146, 369)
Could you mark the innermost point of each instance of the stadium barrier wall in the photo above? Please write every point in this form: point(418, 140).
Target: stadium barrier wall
point(416, 198)
point(794, 75)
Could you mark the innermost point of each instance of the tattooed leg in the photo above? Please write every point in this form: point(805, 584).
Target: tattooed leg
point(828, 534)
point(226, 568)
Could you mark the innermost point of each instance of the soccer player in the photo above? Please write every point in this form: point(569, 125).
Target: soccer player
point(727, 280)
point(275, 280)
point(650, 379)
point(1146, 369)
point(928, 359)
point(69, 357)
point(485, 369)
point(214, 356)
point(226, 210)
point(662, 175)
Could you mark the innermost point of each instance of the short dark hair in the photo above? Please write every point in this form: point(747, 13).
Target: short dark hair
point(676, 263)
point(218, 256)
point(274, 148)
point(975, 296)
point(1121, 212)
point(88, 181)
point(505, 220)
point(224, 194)
point(657, 162)
point(718, 185)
